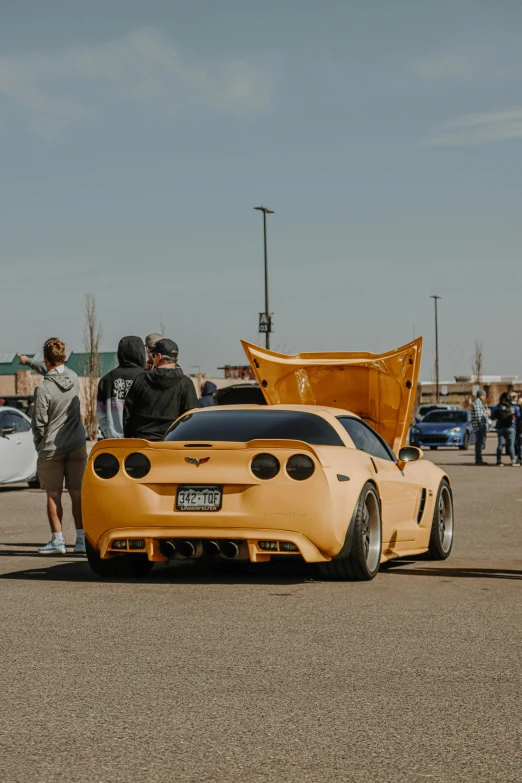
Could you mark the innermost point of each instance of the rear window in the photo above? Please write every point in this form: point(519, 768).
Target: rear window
point(242, 426)
point(453, 417)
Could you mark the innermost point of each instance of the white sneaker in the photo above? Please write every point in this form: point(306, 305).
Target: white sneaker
point(79, 547)
point(53, 548)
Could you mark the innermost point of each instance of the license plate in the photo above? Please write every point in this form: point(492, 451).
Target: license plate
point(199, 498)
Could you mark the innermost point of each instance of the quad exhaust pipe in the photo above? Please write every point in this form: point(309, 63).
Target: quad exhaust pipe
point(229, 550)
point(187, 549)
point(211, 548)
point(168, 548)
point(184, 549)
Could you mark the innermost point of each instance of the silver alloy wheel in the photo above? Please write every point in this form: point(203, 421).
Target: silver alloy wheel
point(445, 519)
point(371, 531)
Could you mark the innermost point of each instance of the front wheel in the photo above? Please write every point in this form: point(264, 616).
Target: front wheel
point(123, 566)
point(362, 564)
point(465, 445)
point(441, 537)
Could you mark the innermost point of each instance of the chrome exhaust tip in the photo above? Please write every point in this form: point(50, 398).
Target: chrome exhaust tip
point(185, 549)
point(229, 550)
point(211, 548)
point(168, 549)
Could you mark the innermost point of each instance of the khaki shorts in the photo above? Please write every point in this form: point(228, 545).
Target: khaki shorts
point(71, 466)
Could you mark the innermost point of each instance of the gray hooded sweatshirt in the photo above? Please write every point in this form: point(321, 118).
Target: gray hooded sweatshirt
point(56, 420)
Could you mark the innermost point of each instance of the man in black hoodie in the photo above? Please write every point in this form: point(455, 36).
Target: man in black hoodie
point(158, 397)
point(114, 387)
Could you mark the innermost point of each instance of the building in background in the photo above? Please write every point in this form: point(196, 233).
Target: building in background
point(463, 389)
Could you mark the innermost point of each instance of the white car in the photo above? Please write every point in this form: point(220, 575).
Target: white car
point(17, 452)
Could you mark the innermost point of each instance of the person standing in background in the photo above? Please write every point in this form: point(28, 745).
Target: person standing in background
point(114, 387)
point(518, 433)
point(207, 394)
point(150, 340)
point(479, 422)
point(158, 397)
point(506, 416)
point(59, 438)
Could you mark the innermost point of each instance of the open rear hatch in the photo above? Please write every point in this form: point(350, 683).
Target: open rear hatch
point(380, 388)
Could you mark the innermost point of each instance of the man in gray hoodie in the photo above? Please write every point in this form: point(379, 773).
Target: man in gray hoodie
point(59, 438)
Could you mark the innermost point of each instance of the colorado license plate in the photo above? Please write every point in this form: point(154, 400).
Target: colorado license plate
point(198, 498)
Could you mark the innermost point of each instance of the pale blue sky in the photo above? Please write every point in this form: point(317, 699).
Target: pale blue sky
point(136, 138)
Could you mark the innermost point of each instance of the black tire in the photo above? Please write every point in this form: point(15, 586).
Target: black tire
point(34, 483)
point(442, 526)
point(123, 566)
point(465, 445)
point(362, 563)
point(434, 448)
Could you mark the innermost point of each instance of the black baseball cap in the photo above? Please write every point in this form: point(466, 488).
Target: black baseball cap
point(165, 347)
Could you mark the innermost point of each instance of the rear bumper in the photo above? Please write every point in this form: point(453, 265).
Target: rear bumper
point(153, 536)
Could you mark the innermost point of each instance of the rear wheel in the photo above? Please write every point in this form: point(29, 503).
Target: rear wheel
point(362, 564)
point(123, 566)
point(441, 537)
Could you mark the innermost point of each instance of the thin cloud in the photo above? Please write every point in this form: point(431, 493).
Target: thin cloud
point(472, 129)
point(460, 64)
point(57, 90)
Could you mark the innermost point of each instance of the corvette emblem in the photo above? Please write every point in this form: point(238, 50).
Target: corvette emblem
point(197, 462)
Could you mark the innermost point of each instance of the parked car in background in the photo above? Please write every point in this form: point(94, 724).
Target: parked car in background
point(492, 424)
point(240, 394)
point(22, 402)
point(443, 428)
point(17, 452)
point(426, 407)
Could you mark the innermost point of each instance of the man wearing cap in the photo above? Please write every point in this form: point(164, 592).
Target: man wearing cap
point(479, 422)
point(158, 397)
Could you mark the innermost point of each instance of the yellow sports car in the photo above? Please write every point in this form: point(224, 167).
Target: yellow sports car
point(320, 472)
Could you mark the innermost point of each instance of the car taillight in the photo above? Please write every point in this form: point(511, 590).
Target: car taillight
point(300, 467)
point(137, 465)
point(265, 466)
point(106, 466)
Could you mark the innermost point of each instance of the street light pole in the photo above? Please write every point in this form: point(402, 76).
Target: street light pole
point(435, 299)
point(268, 319)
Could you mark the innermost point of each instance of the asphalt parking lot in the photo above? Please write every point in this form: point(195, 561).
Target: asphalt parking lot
point(266, 673)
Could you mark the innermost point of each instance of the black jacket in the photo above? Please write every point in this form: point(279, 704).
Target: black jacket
point(114, 387)
point(155, 400)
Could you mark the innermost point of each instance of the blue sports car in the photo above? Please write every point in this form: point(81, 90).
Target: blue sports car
point(443, 428)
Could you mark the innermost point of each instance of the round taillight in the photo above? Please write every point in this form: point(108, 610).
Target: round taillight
point(137, 465)
point(106, 466)
point(300, 467)
point(265, 466)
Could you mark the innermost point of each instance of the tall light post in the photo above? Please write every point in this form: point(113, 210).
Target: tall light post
point(265, 319)
point(435, 299)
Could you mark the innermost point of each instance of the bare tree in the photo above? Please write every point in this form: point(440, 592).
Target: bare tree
point(92, 368)
point(477, 362)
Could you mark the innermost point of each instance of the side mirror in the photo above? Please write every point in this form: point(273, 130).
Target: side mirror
point(5, 431)
point(410, 454)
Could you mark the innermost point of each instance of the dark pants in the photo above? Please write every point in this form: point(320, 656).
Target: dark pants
point(518, 444)
point(480, 443)
point(506, 436)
